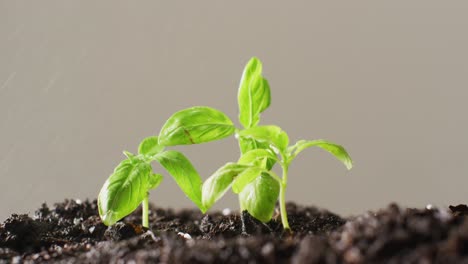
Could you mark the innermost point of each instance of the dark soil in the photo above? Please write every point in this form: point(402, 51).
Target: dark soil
point(71, 232)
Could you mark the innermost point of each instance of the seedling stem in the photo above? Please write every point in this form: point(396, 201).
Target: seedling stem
point(283, 185)
point(145, 212)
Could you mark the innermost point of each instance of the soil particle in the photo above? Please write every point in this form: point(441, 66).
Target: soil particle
point(311, 220)
point(72, 232)
point(252, 226)
point(461, 209)
point(121, 231)
point(397, 235)
point(314, 249)
point(20, 232)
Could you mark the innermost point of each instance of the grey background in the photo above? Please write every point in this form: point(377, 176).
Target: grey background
point(80, 81)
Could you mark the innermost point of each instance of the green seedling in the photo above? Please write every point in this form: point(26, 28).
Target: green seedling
point(128, 186)
point(251, 177)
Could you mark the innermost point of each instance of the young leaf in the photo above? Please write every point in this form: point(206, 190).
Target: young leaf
point(260, 196)
point(254, 94)
point(246, 177)
point(273, 135)
point(338, 151)
point(195, 125)
point(129, 155)
point(218, 183)
point(155, 180)
point(248, 144)
point(256, 156)
point(124, 190)
point(150, 146)
point(184, 174)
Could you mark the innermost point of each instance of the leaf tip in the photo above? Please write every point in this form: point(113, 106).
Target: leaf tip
point(108, 218)
point(349, 164)
point(128, 154)
point(254, 59)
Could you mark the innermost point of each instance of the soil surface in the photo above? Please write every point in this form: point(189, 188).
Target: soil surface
point(72, 232)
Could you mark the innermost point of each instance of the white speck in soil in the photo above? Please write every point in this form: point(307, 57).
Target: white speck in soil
point(77, 221)
point(353, 255)
point(226, 211)
point(16, 259)
point(185, 235)
point(244, 252)
point(151, 234)
point(444, 215)
point(267, 249)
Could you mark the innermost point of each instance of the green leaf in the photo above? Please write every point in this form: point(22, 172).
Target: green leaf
point(338, 151)
point(124, 190)
point(150, 146)
point(195, 125)
point(218, 183)
point(273, 135)
point(260, 196)
point(155, 180)
point(246, 177)
point(184, 174)
point(254, 94)
point(248, 144)
point(260, 160)
point(256, 157)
